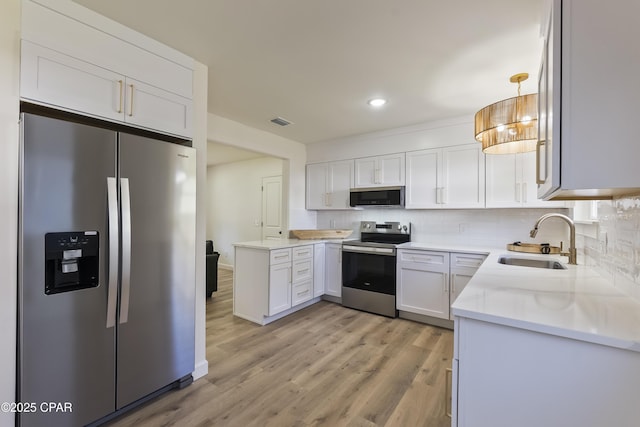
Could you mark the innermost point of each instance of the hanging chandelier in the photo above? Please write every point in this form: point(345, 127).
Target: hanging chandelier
point(511, 125)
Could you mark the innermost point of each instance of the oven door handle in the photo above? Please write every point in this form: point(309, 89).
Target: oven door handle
point(369, 250)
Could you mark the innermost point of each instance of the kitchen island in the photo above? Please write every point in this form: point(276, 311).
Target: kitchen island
point(536, 346)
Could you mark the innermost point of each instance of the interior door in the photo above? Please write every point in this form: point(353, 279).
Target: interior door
point(66, 351)
point(156, 328)
point(272, 207)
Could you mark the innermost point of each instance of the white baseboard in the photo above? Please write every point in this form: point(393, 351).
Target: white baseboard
point(202, 369)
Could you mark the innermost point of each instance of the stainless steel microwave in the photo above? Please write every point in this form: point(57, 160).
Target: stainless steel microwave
point(377, 196)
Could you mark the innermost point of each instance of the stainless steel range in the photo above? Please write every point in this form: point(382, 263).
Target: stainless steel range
point(369, 267)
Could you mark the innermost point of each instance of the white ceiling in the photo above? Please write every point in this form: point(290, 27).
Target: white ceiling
point(316, 63)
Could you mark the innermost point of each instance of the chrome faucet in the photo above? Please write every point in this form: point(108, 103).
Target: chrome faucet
point(573, 254)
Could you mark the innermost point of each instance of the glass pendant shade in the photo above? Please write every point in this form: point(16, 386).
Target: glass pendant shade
point(508, 126)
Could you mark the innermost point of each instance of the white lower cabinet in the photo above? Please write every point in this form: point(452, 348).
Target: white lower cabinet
point(462, 268)
point(270, 283)
point(279, 288)
point(505, 376)
point(302, 275)
point(428, 282)
point(423, 283)
point(333, 270)
point(319, 275)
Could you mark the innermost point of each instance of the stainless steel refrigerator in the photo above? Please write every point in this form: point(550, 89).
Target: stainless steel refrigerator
point(106, 269)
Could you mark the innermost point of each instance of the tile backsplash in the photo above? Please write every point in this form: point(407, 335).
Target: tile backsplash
point(612, 245)
point(483, 227)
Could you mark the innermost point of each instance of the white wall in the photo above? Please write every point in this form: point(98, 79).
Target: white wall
point(234, 202)
point(200, 83)
point(238, 135)
point(9, 111)
point(612, 244)
point(456, 131)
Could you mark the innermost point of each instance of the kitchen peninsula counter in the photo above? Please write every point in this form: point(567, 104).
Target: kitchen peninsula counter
point(274, 278)
point(575, 303)
point(536, 346)
point(284, 243)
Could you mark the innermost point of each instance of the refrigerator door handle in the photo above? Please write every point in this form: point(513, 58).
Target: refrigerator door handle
point(112, 295)
point(125, 204)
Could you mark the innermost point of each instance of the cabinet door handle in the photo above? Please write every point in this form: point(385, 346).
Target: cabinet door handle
point(445, 278)
point(539, 144)
point(120, 82)
point(131, 101)
point(448, 390)
point(438, 195)
point(453, 283)
point(518, 192)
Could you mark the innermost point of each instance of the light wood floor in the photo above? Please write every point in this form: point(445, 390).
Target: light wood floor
point(325, 365)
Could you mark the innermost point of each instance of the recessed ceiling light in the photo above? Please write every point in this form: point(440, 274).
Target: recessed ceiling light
point(377, 102)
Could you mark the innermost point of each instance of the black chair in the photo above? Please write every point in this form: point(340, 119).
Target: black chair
point(212, 269)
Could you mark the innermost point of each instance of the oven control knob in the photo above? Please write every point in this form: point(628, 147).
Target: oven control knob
point(404, 228)
point(367, 225)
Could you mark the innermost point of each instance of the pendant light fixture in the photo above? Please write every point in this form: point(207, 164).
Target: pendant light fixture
point(511, 125)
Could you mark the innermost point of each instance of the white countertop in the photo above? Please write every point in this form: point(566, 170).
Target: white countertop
point(446, 247)
point(576, 303)
point(284, 243)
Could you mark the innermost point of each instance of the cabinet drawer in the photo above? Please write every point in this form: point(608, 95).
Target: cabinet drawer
point(302, 270)
point(302, 252)
point(467, 260)
point(302, 292)
point(423, 257)
point(280, 256)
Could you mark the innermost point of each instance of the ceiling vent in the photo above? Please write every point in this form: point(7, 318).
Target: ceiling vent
point(280, 121)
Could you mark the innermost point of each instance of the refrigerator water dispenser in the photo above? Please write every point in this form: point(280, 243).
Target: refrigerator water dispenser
point(71, 261)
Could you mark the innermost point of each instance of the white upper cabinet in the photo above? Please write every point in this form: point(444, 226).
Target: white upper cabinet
point(150, 107)
point(588, 95)
point(56, 79)
point(328, 185)
point(511, 182)
point(445, 178)
point(317, 179)
point(380, 171)
point(422, 178)
point(78, 67)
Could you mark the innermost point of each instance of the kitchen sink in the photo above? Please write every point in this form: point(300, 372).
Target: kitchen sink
point(531, 262)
